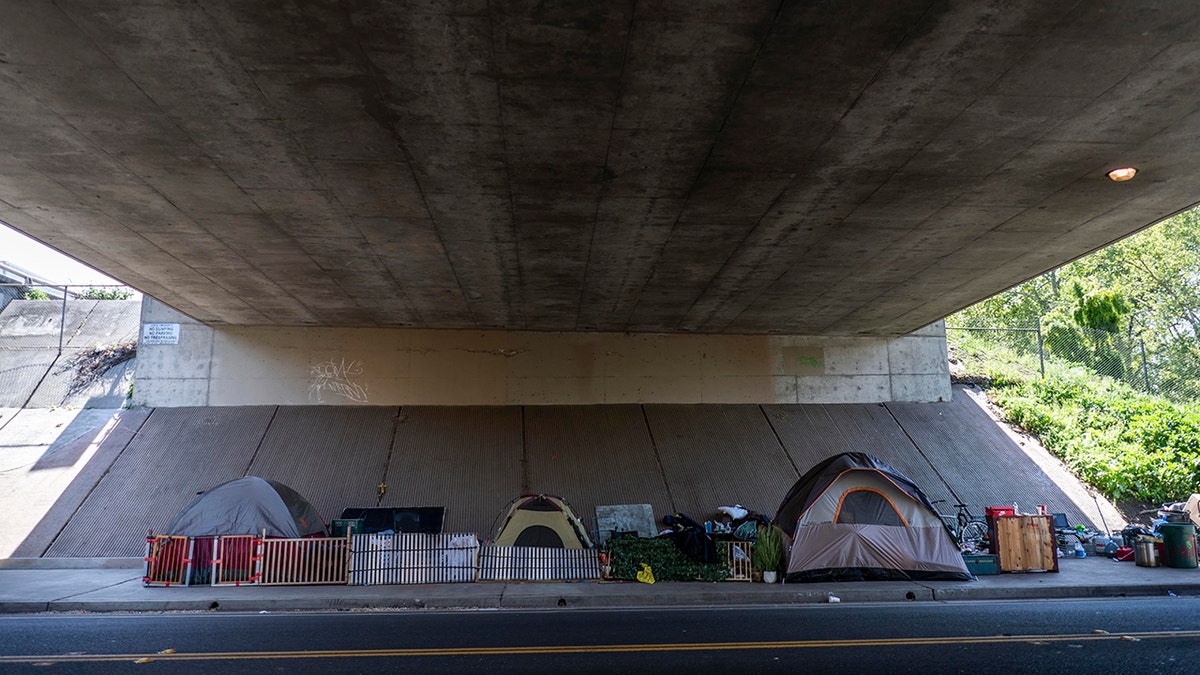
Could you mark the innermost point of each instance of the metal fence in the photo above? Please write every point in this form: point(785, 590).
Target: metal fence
point(361, 560)
point(533, 563)
point(168, 560)
point(413, 558)
point(1145, 364)
point(293, 562)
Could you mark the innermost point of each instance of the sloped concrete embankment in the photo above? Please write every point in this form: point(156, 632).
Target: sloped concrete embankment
point(678, 458)
point(93, 368)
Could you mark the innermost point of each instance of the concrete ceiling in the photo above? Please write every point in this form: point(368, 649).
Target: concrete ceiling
point(713, 166)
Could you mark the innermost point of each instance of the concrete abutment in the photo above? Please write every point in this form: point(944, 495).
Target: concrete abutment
point(257, 365)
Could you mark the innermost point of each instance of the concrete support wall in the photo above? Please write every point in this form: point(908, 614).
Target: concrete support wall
point(376, 366)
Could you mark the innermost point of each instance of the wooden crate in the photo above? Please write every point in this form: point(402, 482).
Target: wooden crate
point(1026, 543)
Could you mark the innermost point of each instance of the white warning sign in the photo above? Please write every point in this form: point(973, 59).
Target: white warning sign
point(160, 334)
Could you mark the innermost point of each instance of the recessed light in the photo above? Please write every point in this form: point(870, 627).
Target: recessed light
point(1123, 174)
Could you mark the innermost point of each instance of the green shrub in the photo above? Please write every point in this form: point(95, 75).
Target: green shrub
point(768, 549)
point(1129, 445)
point(666, 561)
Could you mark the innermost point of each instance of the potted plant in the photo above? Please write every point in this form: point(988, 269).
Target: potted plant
point(768, 551)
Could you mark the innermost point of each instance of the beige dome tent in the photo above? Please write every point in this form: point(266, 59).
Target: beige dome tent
point(541, 520)
point(853, 517)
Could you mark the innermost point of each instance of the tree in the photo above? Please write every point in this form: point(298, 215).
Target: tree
point(1105, 309)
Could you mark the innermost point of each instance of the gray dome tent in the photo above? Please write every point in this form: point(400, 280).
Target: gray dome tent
point(248, 505)
point(853, 517)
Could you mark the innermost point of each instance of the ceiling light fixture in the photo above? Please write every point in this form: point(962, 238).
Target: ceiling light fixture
point(1123, 174)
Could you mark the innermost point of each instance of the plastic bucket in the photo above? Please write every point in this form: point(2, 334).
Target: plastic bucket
point(1179, 540)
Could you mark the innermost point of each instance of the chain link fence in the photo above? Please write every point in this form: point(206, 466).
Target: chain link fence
point(67, 345)
point(1147, 365)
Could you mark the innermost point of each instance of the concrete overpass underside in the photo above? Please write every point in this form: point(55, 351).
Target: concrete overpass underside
point(460, 224)
point(474, 459)
point(822, 168)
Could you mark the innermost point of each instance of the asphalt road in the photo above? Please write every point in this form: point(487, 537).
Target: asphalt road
point(1159, 635)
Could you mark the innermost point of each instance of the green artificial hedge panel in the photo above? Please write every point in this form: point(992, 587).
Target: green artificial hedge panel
point(666, 561)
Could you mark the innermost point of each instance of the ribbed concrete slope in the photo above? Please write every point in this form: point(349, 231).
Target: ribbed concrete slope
point(812, 433)
point(469, 459)
point(336, 456)
point(567, 447)
point(473, 460)
point(50, 461)
point(983, 465)
point(177, 453)
point(720, 455)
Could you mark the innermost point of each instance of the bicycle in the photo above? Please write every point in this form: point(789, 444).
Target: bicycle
point(969, 531)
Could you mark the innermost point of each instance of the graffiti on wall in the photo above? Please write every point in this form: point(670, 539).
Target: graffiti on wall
point(337, 379)
point(803, 361)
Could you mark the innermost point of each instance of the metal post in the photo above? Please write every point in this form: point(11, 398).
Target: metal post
point(1145, 370)
point(1041, 351)
point(62, 321)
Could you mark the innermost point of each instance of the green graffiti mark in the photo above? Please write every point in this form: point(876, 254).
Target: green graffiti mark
point(811, 361)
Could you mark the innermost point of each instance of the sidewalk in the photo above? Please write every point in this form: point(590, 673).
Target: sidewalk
point(114, 585)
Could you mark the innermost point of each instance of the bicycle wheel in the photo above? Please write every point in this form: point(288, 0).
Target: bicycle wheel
point(972, 535)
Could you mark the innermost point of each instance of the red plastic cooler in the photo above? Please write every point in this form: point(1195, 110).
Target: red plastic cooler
point(992, 513)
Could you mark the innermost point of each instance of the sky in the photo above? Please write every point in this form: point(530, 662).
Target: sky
point(45, 262)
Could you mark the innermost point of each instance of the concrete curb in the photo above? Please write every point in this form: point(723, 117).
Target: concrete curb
point(70, 563)
point(548, 598)
point(114, 585)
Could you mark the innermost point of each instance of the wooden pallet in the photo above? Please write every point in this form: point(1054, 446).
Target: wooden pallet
point(1026, 543)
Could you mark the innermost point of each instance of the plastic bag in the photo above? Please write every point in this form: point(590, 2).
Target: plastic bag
point(646, 575)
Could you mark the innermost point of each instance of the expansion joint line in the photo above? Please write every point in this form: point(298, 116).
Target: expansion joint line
point(262, 439)
point(657, 458)
point(921, 452)
point(779, 440)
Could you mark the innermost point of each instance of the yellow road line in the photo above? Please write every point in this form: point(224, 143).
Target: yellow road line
point(594, 649)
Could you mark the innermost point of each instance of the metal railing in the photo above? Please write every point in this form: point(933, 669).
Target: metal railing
point(367, 559)
point(168, 561)
point(531, 563)
point(413, 558)
point(235, 560)
point(741, 560)
point(293, 562)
